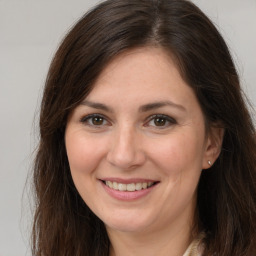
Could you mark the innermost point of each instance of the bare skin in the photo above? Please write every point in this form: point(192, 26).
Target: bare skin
point(141, 125)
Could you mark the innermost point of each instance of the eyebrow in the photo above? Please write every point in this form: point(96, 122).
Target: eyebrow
point(97, 105)
point(160, 104)
point(143, 108)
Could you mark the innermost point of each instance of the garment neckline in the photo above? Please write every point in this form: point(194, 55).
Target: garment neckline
point(195, 248)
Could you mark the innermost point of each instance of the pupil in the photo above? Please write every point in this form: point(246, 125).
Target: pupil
point(97, 120)
point(159, 121)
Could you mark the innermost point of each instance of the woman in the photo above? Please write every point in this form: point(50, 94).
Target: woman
point(146, 147)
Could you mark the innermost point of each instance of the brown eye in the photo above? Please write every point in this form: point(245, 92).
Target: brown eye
point(94, 120)
point(159, 121)
point(97, 120)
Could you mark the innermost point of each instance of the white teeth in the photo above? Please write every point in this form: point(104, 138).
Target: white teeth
point(128, 187)
point(122, 187)
point(115, 186)
point(150, 184)
point(138, 186)
point(109, 184)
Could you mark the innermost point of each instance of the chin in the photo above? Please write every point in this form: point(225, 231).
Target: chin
point(129, 224)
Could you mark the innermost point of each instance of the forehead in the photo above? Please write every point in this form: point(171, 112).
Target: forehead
point(141, 75)
point(139, 60)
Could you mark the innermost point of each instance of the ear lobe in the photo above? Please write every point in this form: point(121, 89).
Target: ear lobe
point(213, 146)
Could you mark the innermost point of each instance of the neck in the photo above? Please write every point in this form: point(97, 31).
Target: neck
point(171, 242)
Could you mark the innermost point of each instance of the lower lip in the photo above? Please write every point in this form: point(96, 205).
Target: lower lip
point(127, 195)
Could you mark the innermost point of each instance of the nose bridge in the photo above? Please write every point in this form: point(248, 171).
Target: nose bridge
point(126, 151)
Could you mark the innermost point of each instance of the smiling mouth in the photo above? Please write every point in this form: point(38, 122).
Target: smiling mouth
point(131, 187)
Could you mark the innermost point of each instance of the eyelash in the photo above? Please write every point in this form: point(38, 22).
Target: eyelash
point(86, 120)
point(166, 119)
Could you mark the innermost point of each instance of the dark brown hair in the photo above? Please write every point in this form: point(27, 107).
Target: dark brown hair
point(63, 224)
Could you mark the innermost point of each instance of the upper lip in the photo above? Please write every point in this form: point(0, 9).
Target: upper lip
point(128, 181)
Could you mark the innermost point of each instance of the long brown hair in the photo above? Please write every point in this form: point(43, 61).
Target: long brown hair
point(63, 224)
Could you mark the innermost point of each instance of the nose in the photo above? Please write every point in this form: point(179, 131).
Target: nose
point(126, 151)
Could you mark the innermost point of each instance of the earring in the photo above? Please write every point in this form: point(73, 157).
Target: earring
point(209, 162)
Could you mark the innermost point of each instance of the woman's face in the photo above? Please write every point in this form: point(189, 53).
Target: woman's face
point(137, 144)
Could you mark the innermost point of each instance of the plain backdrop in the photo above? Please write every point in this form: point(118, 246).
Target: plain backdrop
point(30, 31)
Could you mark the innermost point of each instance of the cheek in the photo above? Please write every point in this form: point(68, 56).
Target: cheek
point(179, 152)
point(83, 154)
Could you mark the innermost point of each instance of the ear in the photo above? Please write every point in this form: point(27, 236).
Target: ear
point(213, 146)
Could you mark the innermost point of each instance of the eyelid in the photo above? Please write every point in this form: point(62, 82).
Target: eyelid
point(169, 119)
point(85, 119)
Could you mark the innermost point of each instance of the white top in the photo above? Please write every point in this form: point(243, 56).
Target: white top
point(195, 248)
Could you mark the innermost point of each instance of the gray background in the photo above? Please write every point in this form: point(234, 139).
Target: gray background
point(30, 32)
